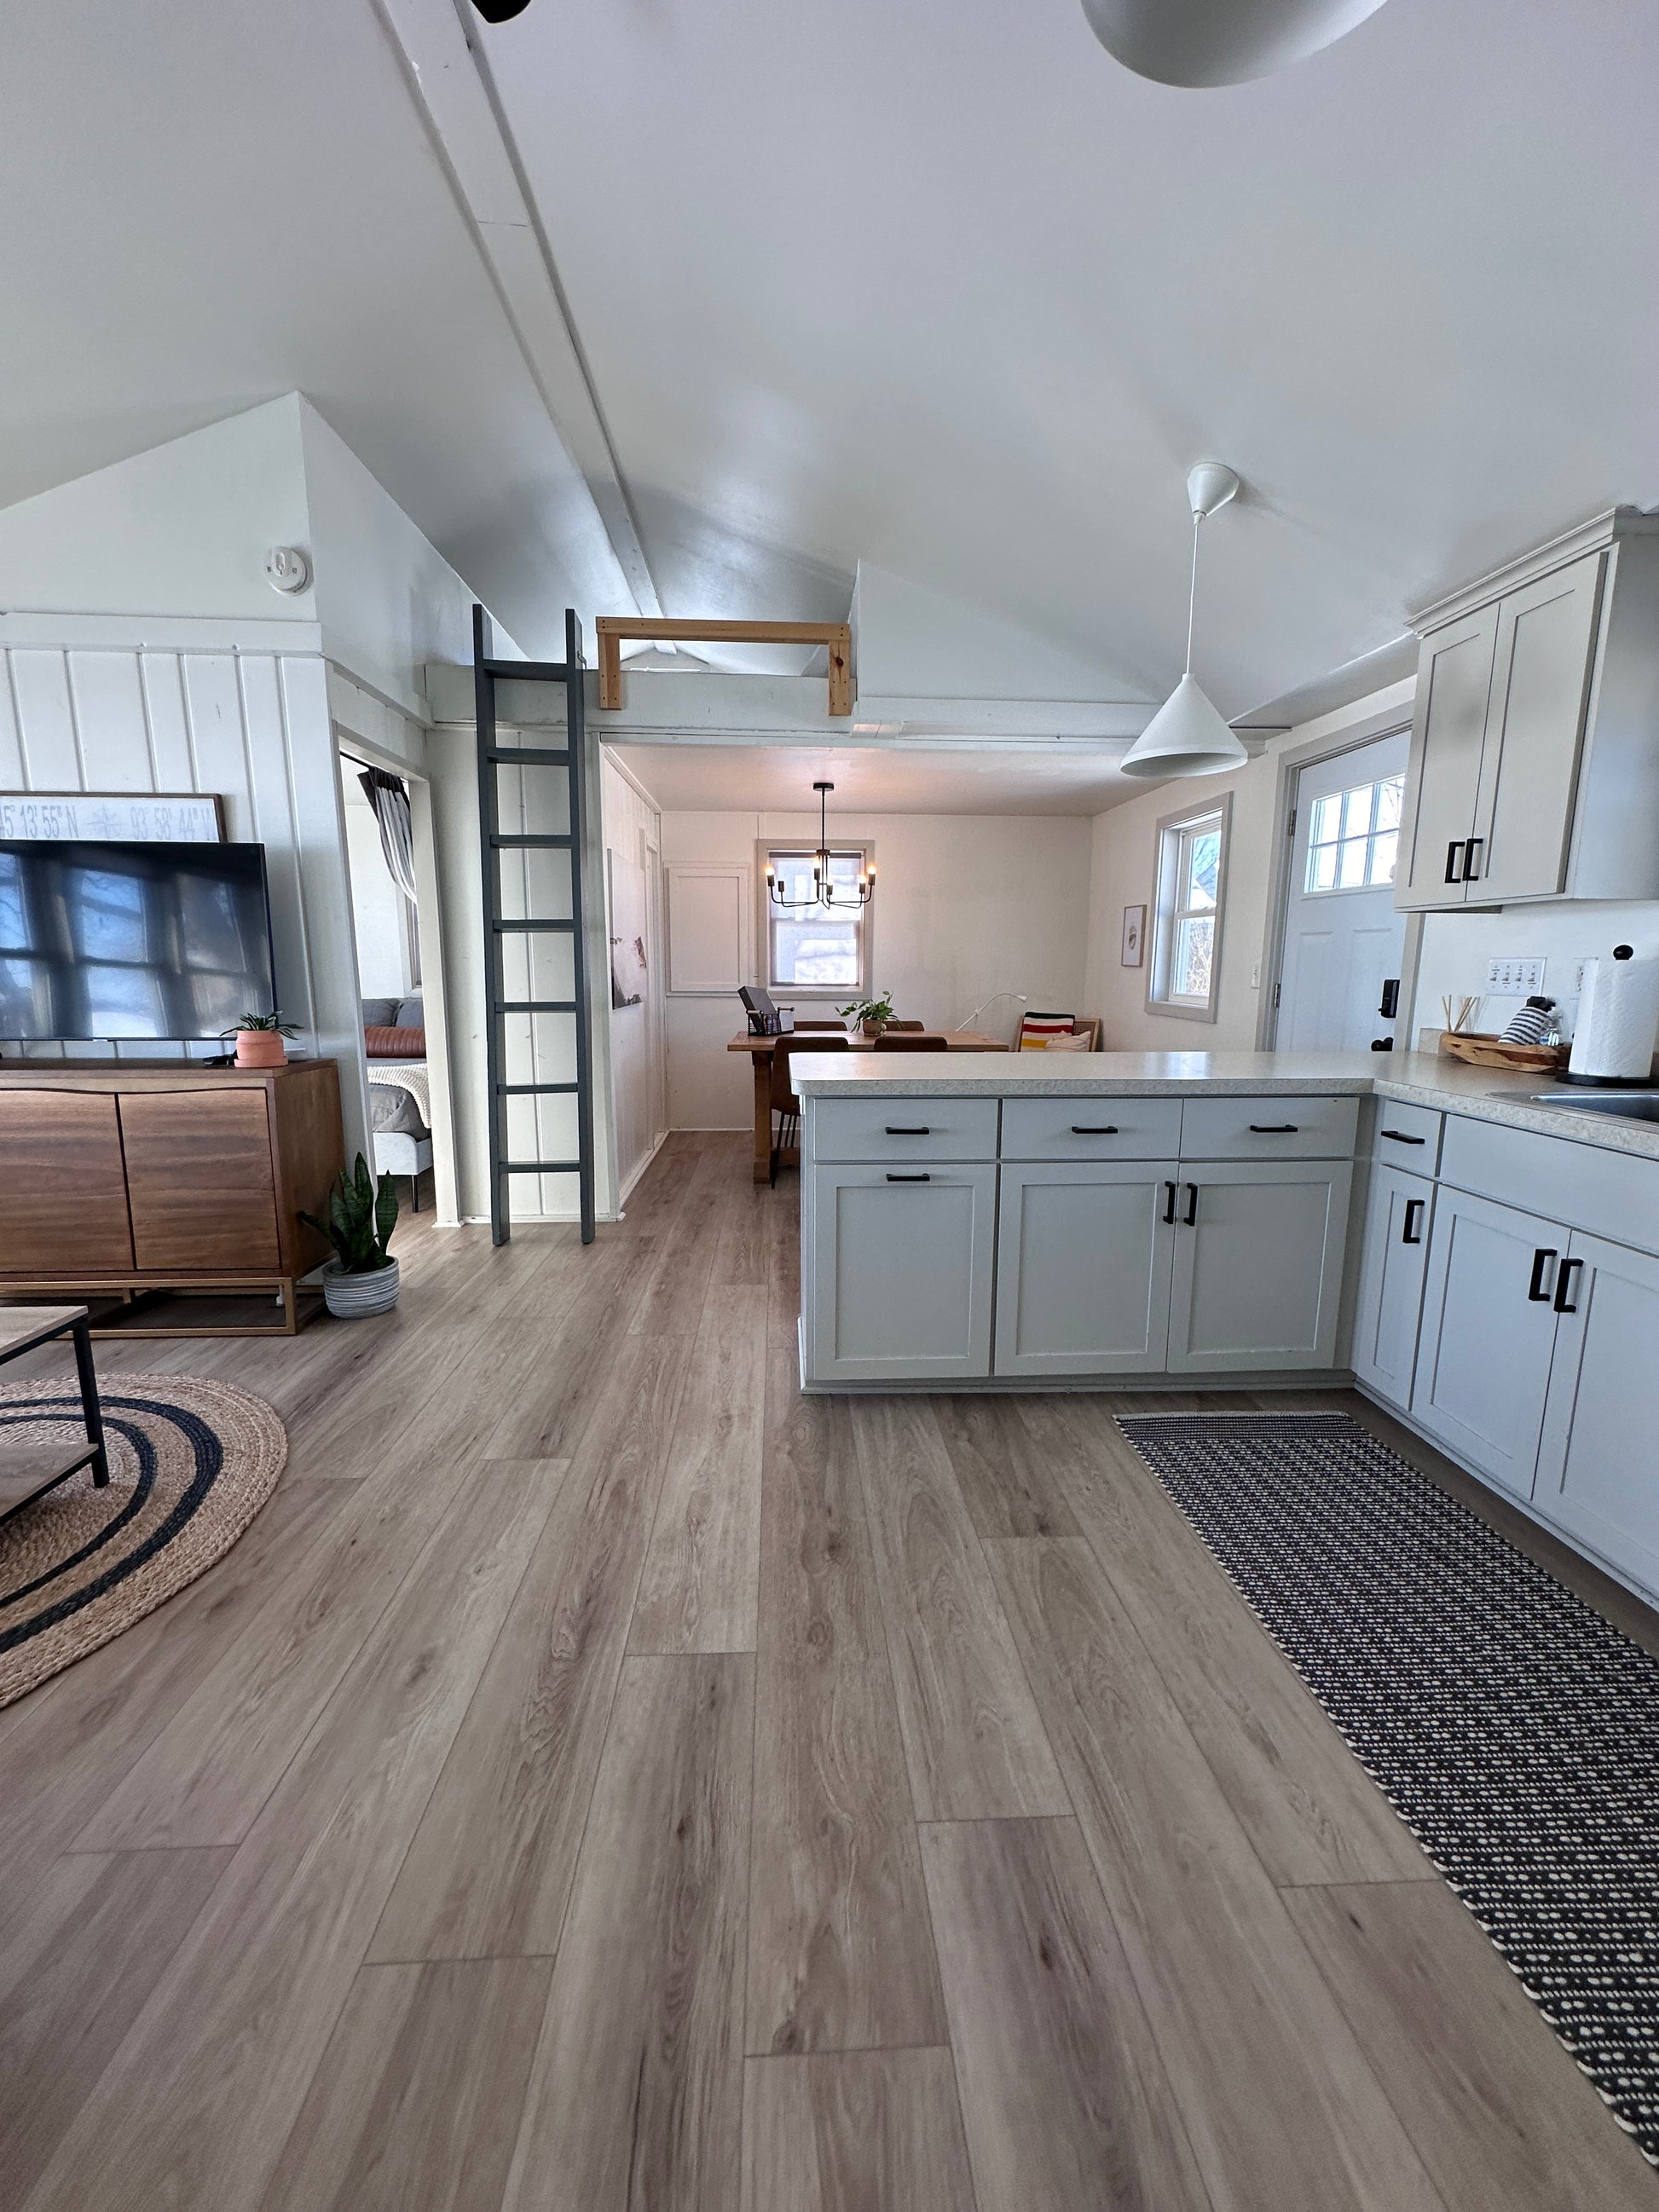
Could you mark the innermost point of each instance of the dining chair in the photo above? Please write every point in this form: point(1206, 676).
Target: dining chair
point(785, 1104)
point(841, 1026)
point(888, 1042)
point(907, 1025)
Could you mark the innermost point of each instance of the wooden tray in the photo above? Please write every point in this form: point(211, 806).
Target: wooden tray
point(1493, 1052)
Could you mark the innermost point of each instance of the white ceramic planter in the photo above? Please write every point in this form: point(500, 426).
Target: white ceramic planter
point(352, 1297)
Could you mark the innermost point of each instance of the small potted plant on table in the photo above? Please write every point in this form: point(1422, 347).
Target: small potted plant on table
point(259, 1039)
point(871, 1015)
point(362, 1276)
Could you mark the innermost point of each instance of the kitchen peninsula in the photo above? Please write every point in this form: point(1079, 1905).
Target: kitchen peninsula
point(1468, 1255)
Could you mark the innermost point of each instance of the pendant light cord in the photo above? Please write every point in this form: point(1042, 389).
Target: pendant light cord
point(1192, 595)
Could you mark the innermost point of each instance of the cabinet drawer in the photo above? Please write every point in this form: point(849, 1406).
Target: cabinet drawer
point(903, 1129)
point(1611, 1195)
point(1090, 1128)
point(1268, 1128)
point(1407, 1136)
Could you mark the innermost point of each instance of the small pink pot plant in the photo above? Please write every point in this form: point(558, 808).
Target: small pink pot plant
point(259, 1039)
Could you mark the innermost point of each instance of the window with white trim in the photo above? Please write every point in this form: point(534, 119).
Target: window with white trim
point(821, 946)
point(1191, 876)
point(1353, 837)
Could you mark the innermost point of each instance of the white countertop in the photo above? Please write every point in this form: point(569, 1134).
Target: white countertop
point(1487, 1094)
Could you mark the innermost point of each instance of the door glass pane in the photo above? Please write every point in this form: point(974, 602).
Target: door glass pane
point(1353, 837)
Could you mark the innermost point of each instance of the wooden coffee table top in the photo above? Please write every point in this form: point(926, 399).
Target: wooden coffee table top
point(22, 1326)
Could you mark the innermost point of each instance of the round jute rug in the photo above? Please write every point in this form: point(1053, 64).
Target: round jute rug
point(191, 1463)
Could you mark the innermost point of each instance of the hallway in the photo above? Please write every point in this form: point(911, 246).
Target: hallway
point(603, 1778)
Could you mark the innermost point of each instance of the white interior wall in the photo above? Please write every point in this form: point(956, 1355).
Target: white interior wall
point(967, 905)
point(633, 828)
point(1124, 874)
point(1456, 948)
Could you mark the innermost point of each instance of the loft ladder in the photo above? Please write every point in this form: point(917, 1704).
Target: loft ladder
point(500, 927)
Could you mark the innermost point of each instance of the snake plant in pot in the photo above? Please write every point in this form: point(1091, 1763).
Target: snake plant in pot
point(362, 1276)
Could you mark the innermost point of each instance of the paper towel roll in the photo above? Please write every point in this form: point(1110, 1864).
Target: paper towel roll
point(1618, 1019)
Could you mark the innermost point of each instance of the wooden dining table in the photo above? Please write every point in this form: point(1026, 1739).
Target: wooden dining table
point(760, 1049)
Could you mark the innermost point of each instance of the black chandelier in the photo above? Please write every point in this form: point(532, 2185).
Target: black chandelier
point(823, 891)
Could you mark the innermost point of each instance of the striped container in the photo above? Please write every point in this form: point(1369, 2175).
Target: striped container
point(352, 1297)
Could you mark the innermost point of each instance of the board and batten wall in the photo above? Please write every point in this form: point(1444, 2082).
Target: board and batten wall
point(243, 717)
point(967, 905)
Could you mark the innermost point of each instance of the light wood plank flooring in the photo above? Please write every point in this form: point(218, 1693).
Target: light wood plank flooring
point(603, 1780)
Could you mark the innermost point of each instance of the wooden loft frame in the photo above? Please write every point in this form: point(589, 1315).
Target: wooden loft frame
point(835, 637)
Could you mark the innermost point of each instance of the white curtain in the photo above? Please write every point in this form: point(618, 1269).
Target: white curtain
point(389, 796)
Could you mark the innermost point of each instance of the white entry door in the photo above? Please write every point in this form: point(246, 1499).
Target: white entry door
point(1342, 936)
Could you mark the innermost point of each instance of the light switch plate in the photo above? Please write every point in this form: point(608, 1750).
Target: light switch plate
point(1515, 978)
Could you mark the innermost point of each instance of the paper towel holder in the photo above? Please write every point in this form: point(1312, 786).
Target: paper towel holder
point(1609, 1082)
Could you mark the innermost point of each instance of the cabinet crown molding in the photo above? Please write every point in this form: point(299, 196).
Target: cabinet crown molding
point(1602, 529)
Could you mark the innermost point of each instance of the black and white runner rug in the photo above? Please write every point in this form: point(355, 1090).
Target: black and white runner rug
point(1514, 1730)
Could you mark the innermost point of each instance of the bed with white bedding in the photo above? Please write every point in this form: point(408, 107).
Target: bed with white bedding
point(399, 1100)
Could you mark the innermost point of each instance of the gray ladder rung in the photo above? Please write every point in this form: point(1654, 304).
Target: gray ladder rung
point(520, 839)
point(529, 671)
point(539, 1167)
point(532, 1090)
point(537, 1006)
point(541, 928)
point(527, 757)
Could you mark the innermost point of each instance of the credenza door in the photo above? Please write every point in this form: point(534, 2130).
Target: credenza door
point(200, 1179)
point(63, 1195)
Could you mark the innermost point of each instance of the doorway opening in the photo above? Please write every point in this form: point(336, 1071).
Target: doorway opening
point(1339, 980)
point(386, 809)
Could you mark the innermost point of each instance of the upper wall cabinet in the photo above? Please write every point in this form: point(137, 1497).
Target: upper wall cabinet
point(1534, 758)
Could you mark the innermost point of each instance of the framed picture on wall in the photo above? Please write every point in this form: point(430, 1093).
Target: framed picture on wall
point(1134, 936)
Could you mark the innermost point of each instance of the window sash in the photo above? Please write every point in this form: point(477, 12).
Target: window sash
point(1186, 944)
point(787, 941)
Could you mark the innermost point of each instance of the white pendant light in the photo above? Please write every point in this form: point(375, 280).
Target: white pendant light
point(1187, 736)
point(1210, 42)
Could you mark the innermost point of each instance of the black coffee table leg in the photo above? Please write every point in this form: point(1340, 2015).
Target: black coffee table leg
point(91, 1411)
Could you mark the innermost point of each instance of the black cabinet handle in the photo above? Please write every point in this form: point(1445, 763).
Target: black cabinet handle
point(1399, 1137)
point(1412, 1233)
point(1273, 1129)
point(1087, 1129)
point(1169, 1206)
point(1540, 1260)
point(892, 1132)
point(1471, 872)
point(909, 1178)
point(1454, 853)
point(1191, 1206)
point(1562, 1282)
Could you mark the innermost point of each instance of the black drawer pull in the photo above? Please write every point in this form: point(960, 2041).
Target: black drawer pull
point(1563, 1283)
point(909, 1178)
point(1191, 1206)
point(1413, 1232)
point(1454, 853)
point(892, 1132)
point(1399, 1137)
point(1169, 1206)
point(1471, 869)
point(1087, 1129)
point(1541, 1259)
point(1274, 1129)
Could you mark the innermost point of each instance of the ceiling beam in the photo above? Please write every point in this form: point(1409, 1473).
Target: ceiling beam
point(836, 639)
point(448, 79)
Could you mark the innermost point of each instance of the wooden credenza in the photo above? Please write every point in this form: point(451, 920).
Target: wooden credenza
point(128, 1178)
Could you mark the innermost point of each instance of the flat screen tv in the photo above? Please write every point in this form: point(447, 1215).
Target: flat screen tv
point(132, 940)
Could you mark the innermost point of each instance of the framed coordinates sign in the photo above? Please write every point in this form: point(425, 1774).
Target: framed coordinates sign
point(170, 818)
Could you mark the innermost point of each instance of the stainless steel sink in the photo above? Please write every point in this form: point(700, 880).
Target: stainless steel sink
point(1628, 1105)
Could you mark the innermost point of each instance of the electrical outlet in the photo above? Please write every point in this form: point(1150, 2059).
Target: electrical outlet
point(1515, 978)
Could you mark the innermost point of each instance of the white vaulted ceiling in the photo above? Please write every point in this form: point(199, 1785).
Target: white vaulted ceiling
point(938, 286)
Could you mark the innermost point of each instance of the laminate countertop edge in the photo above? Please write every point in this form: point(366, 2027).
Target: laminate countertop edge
point(1483, 1094)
